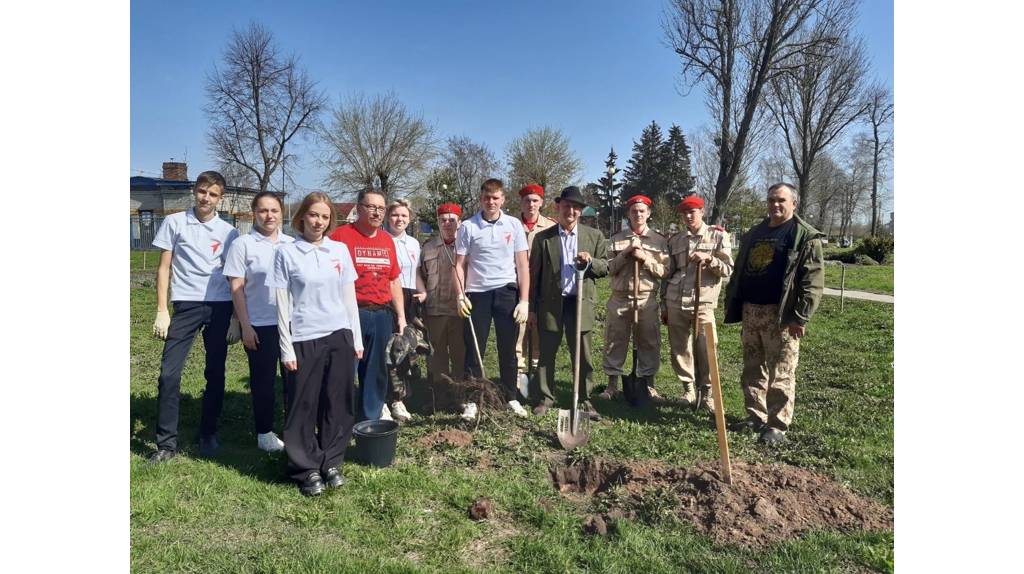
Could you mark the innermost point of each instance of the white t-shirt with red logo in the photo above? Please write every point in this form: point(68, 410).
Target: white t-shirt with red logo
point(408, 254)
point(198, 252)
point(314, 277)
point(251, 257)
point(490, 250)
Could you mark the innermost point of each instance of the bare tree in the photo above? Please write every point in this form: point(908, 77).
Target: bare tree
point(813, 101)
point(734, 48)
point(470, 164)
point(879, 113)
point(257, 102)
point(376, 142)
point(859, 167)
point(542, 156)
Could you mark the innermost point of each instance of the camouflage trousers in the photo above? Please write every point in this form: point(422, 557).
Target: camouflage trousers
point(445, 335)
point(619, 327)
point(689, 369)
point(770, 356)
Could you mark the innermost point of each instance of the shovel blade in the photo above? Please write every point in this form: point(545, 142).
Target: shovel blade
point(524, 386)
point(568, 436)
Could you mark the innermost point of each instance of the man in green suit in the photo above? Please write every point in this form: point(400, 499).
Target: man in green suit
point(554, 293)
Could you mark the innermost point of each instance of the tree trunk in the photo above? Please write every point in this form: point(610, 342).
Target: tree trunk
point(874, 186)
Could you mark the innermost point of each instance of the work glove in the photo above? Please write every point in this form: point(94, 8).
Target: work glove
point(234, 331)
point(163, 321)
point(521, 312)
point(465, 307)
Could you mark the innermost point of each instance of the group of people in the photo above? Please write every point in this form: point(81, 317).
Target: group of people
point(323, 307)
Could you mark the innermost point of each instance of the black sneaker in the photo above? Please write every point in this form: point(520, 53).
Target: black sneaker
point(208, 446)
point(772, 437)
point(312, 486)
point(333, 478)
point(162, 455)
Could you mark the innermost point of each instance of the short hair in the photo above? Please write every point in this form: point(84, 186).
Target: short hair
point(263, 194)
point(492, 184)
point(792, 190)
point(369, 191)
point(208, 178)
point(398, 203)
point(309, 201)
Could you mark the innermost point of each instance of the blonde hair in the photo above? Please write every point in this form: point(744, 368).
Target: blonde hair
point(398, 203)
point(309, 201)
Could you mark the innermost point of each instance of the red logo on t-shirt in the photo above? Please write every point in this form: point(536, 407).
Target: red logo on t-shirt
point(215, 245)
point(337, 265)
point(508, 238)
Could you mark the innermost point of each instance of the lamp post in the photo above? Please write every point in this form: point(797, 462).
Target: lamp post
point(611, 200)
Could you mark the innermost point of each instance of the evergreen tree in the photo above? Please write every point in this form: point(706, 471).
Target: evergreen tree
point(608, 194)
point(675, 166)
point(643, 173)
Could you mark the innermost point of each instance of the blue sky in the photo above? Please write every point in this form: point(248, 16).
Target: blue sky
point(596, 69)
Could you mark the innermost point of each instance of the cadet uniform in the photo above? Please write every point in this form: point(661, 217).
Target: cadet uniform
point(531, 230)
point(678, 294)
point(444, 326)
point(619, 323)
point(201, 298)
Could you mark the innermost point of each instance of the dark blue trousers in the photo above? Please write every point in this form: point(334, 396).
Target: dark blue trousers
point(264, 364)
point(497, 304)
point(188, 319)
point(378, 327)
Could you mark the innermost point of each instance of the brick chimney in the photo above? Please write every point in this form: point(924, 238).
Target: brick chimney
point(175, 171)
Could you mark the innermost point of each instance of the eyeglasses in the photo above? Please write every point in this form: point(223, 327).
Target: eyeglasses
point(372, 208)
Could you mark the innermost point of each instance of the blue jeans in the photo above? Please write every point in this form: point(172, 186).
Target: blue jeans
point(377, 327)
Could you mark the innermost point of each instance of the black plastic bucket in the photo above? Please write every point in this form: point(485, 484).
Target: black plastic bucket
point(376, 442)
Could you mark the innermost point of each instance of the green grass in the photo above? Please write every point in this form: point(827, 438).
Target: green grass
point(871, 278)
point(240, 514)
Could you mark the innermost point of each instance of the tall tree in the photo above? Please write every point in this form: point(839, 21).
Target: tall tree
point(675, 166)
point(258, 101)
point(812, 103)
point(644, 169)
point(734, 48)
point(879, 113)
point(608, 193)
point(376, 142)
point(471, 164)
point(440, 187)
point(542, 156)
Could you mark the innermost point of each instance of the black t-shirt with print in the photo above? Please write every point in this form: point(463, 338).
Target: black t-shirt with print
point(766, 263)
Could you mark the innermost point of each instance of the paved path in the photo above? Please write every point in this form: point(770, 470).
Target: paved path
point(862, 295)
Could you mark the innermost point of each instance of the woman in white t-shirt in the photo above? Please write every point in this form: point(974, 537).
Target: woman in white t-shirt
point(320, 339)
point(249, 263)
point(407, 250)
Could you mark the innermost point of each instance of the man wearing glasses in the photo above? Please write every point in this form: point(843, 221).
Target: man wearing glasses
point(378, 294)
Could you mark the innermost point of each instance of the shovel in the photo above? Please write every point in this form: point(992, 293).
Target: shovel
point(636, 394)
point(696, 333)
point(573, 432)
point(524, 378)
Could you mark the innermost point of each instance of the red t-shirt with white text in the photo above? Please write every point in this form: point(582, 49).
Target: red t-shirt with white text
point(375, 261)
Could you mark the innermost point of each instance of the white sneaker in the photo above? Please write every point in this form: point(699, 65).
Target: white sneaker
point(385, 414)
point(269, 442)
point(517, 408)
point(399, 411)
point(469, 412)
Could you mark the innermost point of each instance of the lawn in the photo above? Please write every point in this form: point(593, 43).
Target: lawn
point(871, 278)
point(238, 514)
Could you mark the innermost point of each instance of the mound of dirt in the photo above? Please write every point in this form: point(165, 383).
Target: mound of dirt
point(450, 437)
point(763, 505)
point(481, 509)
point(444, 394)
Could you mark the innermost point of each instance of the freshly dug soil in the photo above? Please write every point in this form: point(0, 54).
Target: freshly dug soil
point(481, 509)
point(763, 505)
point(448, 395)
point(450, 437)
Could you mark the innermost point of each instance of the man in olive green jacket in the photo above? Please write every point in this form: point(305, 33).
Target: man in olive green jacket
point(776, 286)
point(554, 293)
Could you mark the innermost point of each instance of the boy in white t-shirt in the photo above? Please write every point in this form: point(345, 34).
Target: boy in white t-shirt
point(191, 264)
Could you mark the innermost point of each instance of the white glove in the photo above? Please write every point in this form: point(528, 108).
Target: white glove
point(234, 331)
point(465, 308)
point(163, 321)
point(521, 312)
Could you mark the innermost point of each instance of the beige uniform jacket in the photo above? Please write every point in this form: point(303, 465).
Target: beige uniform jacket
point(678, 289)
point(620, 263)
point(435, 268)
point(542, 224)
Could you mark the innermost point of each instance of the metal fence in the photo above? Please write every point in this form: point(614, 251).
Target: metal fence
point(143, 228)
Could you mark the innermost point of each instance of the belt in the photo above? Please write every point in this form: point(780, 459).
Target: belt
point(374, 307)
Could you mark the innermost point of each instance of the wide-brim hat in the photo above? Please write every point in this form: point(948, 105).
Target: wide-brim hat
point(571, 193)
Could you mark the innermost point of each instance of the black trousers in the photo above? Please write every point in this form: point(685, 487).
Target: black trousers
point(264, 364)
point(189, 317)
point(550, 341)
point(497, 304)
point(320, 416)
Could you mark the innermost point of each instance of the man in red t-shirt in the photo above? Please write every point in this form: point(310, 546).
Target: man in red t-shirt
point(378, 293)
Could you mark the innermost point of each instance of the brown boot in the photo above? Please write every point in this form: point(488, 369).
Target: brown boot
point(655, 397)
point(707, 402)
point(689, 394)
point(612, 390)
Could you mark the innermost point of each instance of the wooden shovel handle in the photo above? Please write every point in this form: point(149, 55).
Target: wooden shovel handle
point(716, 394)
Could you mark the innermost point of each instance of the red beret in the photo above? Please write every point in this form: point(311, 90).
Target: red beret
point(639, 199)
point(532, 188)
point(449, 208)
point(691, 202)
